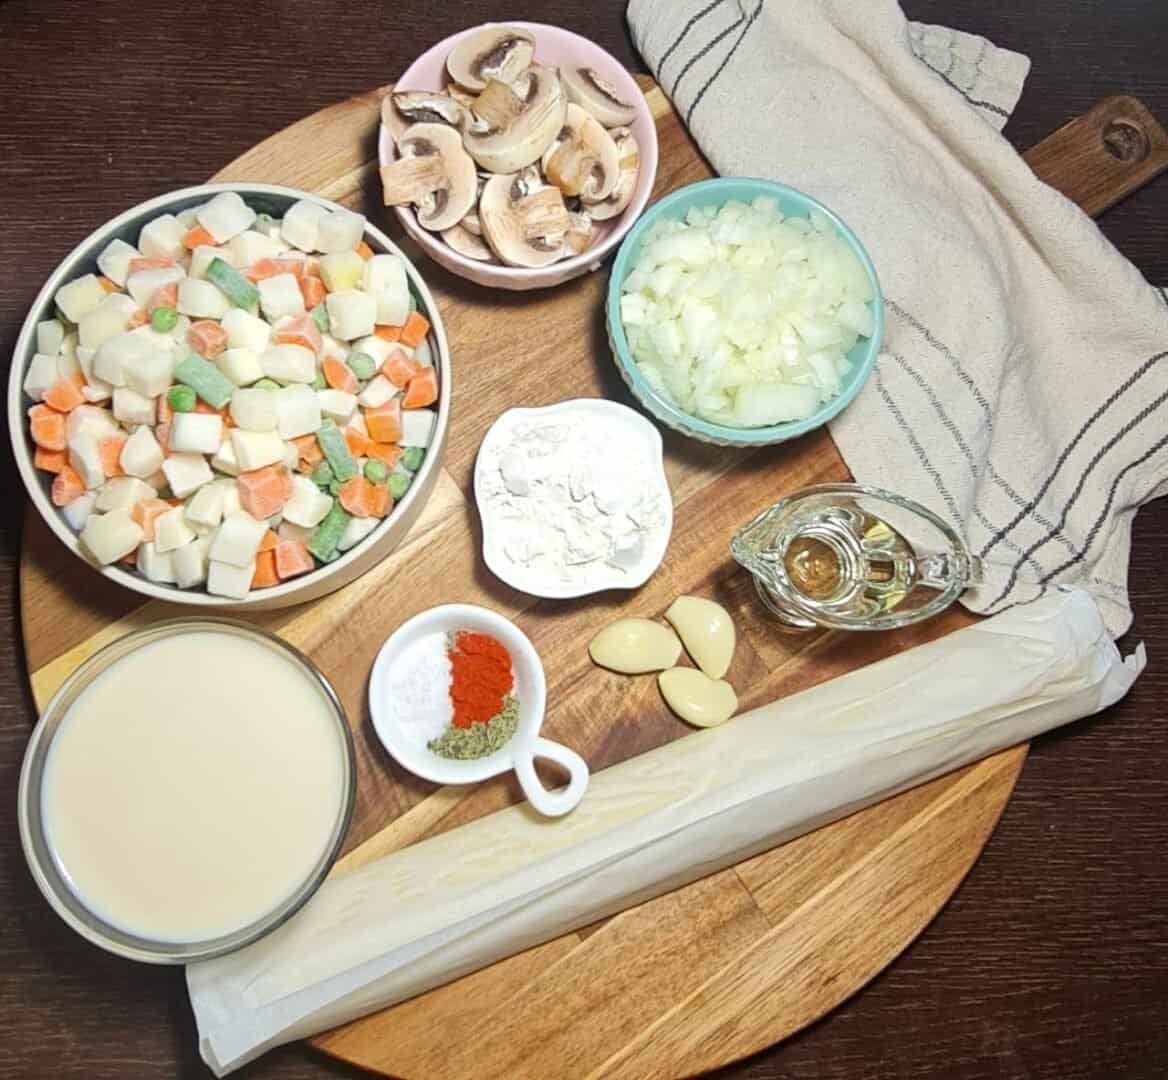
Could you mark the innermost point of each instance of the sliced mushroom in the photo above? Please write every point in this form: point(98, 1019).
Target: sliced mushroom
point(464, 97)
point(622, 194)
point(466, 243)
point(524, 140)
point(434, 173)
point(523, 227)
point(494, 52)
point(578, 238)
point(583, 159)
point(400, 109)
point(598, 97)
point(471, 221)
point(496, 107)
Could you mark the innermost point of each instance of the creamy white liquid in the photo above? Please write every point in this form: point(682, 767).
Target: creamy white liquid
point(192, 787)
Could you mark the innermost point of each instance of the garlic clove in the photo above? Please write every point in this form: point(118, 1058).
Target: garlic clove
point(707, 632)
point(635, 646)
point(696, 698)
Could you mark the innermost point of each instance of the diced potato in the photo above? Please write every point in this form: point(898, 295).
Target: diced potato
point(157, 566)
point(196, 433)
point(287, 531)
point(186, 473)
point(289, 364)
point(42, 373)
point(356, 530)
point(162, 238)
point(297, 411)
point(233, 582)
point(307, 505)
point(130, 407)
point(339, 230)
point(190, 563)
point(251, 246)
point(385, 280)
point(79, 297)
point(202, 299)
point(352, 314)
point(114, 261)
point(254, 410)
point(301, 224)
point(85, 458)
point(418, 427)
point(50, 335)
point(108, 319)
point(150, 372)
point(225, 460)
point(237, 539)
point(241, 366)
point(76, 513)
point(376, 347)
point(171, 530)
point(204, 255)
point(205, 507)
point(280, 296)
point(122, 491)
point(93, 419)
point(143, 284)
point(225, 216)
point(255, 449)
point(246, 331)
point(343, 270)
point(377, 392)
point(141, 455)
point(112, 536)
point(337, 404)
point(330, 347)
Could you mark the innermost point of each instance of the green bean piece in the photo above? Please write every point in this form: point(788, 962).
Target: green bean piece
point(322, 474)
point(326, 536)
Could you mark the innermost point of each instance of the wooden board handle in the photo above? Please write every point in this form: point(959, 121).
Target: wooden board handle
point(1101, 157)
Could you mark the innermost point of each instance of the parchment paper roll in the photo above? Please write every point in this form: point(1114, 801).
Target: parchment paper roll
point(452, 904)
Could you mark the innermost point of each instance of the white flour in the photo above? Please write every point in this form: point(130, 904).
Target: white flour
point(572, 500)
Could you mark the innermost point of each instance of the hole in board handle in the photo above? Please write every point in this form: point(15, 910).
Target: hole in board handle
point(1126, 142)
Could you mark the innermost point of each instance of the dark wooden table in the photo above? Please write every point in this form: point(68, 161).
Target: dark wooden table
point(1051, 960)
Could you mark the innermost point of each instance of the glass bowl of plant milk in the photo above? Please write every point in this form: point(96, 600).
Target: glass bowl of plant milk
point(186, 790)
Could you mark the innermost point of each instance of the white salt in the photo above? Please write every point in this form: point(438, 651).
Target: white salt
point(418, 689)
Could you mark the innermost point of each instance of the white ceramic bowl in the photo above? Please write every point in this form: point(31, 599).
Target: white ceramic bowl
point(525, 581)
point(520, 751)
point(354, 562)
point(561, 48)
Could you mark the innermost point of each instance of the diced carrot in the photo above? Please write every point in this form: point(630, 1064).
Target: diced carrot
point(358, 443)
point(416, 327)
point(146, 512)
point(389, 453)
point(207, 337)
point(381, 503)
point(268, 541)
point(105, 283)
point(298, 330)
point(203, 407)
point(65, 394)
point(292, 558)
point(364, 250)
point(165, 412)
point(313, 291)
point(289, 487)
point(67, 486)
point(308, 451)
point(384, 422)
point(357, 497)
point(172, 502)
point(400, 367)
point(338, 375)
point(197, 236)
point(296, 265)
point(142, 263)
point(387, 333)
point(50, 460)
point(166, 296)
point(310, 266)
point(110, 449)
point(263, 492)
point(162, 437)
point(262, 269)
point(423, 390)
point(265, 570)
point(139, 318)
point(47, 427)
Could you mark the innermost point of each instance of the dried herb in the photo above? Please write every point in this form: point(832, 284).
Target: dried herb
point(481, 739)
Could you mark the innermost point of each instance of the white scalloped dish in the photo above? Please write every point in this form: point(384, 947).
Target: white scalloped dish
point(608, 511)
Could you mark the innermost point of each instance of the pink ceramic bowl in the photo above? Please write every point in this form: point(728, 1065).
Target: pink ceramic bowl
point(561, 48)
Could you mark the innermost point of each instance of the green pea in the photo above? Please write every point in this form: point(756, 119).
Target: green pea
point(266, 384)
point(375, 471)
point(399, 484)
point(322, 474)
point(362, 364)
point(164, 319)
point(318, 383)
point(181, 398)
point(262, 221)
point(320, 317)
point(412, 458)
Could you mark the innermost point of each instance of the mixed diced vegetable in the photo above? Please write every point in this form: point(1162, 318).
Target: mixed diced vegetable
point(237, 399)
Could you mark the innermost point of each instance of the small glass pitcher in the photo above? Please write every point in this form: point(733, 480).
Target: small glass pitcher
point(852, 557)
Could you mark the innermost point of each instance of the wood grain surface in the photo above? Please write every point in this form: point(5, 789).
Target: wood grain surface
point(1050, 961)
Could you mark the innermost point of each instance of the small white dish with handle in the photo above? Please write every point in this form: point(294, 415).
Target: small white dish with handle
point(519, 752)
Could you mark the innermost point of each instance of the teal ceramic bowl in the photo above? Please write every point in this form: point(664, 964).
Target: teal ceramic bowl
point(718, 192)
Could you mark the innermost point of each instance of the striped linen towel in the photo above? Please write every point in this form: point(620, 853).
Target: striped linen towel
point(1020, 391)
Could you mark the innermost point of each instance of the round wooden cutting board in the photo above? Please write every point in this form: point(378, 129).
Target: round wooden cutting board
point(698, 977)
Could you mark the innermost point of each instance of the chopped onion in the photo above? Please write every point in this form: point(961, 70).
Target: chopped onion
point(745, 317)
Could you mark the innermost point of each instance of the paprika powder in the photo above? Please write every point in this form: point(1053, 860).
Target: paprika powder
point(480, 678)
